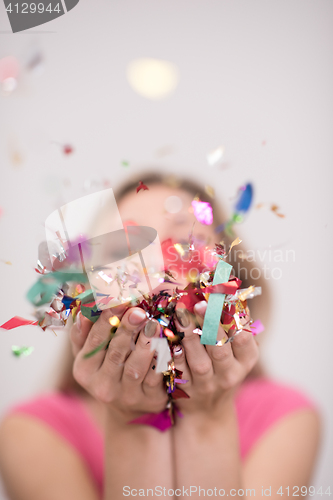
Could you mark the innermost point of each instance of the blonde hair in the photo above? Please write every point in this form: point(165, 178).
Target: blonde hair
point(260, 308)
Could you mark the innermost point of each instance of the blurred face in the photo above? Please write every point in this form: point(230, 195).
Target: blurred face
point(168, 210)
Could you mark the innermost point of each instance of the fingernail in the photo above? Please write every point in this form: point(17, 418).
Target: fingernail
point(201, 307)
point(136, 316)
point(78, 321)
point(178, 351)
point(183, 317)
point(150, 328)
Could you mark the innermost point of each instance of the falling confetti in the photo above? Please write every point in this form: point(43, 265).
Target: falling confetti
point(35, 61)
point(274, 208)
point(141, 186)
point(210, 191)
point(9, 70)
point(67, 149)
point(244, 201)
point(203, 211)
point(21, 351)
point(215, 156)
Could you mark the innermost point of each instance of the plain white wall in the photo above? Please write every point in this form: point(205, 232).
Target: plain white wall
point(250, 71)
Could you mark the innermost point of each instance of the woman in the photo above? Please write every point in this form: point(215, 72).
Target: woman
point(241, 433)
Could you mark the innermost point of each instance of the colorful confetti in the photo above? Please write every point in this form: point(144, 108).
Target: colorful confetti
point(141, 186)
point(215, 156)
point(203, 211)
point(21, 351)
point(271, 206)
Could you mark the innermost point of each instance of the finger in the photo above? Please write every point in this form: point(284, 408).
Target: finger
point(181, 364)
point(138, 362)
point(221, 356)
point(120, 345)
point(152, 384)
point(245, 347)
point(79, 332)
point(198, 361)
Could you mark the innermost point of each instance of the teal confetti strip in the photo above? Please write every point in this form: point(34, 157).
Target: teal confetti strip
point(85, 297)
point(43, 291)
point(215, 305)
point(21, 351)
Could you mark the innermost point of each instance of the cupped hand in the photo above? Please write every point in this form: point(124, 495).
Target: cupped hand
point(122, 378)
point(213, 372)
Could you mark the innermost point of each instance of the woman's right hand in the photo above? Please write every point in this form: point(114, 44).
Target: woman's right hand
point(122, 378)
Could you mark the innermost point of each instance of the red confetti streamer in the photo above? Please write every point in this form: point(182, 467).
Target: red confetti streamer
point(17, 321)
point(141, 186)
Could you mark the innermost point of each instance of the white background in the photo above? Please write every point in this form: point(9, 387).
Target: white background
point(249, 71)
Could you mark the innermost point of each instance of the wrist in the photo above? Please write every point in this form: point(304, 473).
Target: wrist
point(203, 418)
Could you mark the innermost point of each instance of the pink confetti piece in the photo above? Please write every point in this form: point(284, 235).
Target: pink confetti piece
point(257, 327)
point(9, 68)
point(160, 421)
point(203, 212)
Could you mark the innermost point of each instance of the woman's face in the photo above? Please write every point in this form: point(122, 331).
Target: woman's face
point(168, 210)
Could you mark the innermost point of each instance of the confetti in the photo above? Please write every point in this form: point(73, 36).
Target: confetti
point(215, 305)
point(215, 156)
point(210, 191)
point(35, 61)
point(141, 186)
point(274, 208)
point(242, 206)
point(21, 351)
point(59, 294)
point(203, 211)
point(9, 70)
point(67, 149)
point(16, 322)
point(257, 327)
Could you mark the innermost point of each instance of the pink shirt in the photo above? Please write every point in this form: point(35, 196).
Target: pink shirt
point(259, 404)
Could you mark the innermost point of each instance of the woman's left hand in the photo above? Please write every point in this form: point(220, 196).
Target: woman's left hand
point(213, 372)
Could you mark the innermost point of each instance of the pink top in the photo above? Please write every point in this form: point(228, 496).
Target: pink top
point(259, 404)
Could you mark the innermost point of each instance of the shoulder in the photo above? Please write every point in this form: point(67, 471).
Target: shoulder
point(262, 403)
point(281, 422)
point(32, 457)
point(271, 398)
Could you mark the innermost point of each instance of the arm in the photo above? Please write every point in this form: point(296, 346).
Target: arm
point(206, 450)
point(36, 465)
point(136, 456)
point(284, 457)
point(295, 440)
point(206, 439)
